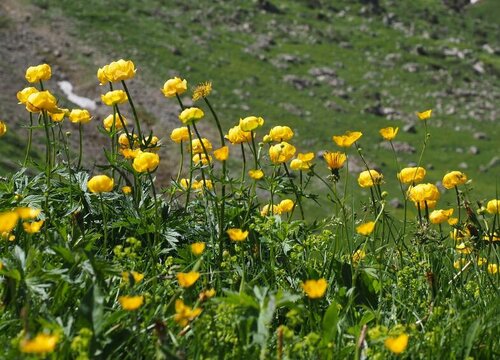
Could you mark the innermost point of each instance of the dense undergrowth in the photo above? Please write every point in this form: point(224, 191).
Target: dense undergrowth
point(224, 263)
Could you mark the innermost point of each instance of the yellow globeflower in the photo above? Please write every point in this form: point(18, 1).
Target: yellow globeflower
point(125, 143)
point(369, 178)
point(493, 206)
point(424, 115)
point(42, 100)
point(197, 147)
point(366, 228)
point(132, 274)
point(118, 123)
point(302, 162)
point(130, 154)
point(358, 256)
point(236, 234)
point(126, 190)
point(207, 294)
point(187, 279)
point(33, 227)
point(281, 153)
point(58, 116)
point(334, 160)
point(185, 314)
point(412, 175)
point(39, 72)
point(131, 303)
point(27, 213)
point(251, 123)
point(279, 134)
point(389, 133)
point(256, 174)
point(201, 185)
point(180, 134)
point(347, 139)
point(8, 221)
point(202, 90)
point(222, 153)
point(275, 210)
point(315, 289)
point(100, 184)
point(237, 136)
point(3, 128)
point(198, 248)
point(462, 248)
point(40, 344)
point(120, 70)
point(397, 344)
point(146, 162)
point(79, 116)
point(174, 86)
point(454, 178)
point(440, 216)
point(114, 97)
point(201, 159)
point(422, 194)
point(24, 94)
point(286, 206)
point(493, 268)
point(191, 115)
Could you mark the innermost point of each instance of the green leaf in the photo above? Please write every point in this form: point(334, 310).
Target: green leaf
point(330, 320)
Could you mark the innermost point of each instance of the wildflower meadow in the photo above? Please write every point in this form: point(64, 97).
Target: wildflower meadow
point(225, 260)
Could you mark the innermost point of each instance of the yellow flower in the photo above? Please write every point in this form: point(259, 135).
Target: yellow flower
point(279, 134)
point(460, 235)
point(302, 162)
point(493, 206)
point(493, 268)
point(151, 143)
point(275, 210)
point(131, 303)
point(174, 86)
point(397, 344)
point(237, 136)
point(39, 72)
point(222, 153)
point(79, 116)
point(124, 141)
point(180, 134)
point(202, 90)
point(126, 190)
point(251, 123)
point(463, 248)
point(40, 344)
point(184, 183)
point(256, 174)
point(412, 175)
point(8, 221)
point(201, 185)
point(286, 206)
point(389, 133)
point(33, 227)
point(457, 264)
point(481, 261)
point(236, 234)
point(185, 314)
point(3, 128)
point(9, 237)
point(198, 248)
point(207, 294)
point(118, 122)
point(197, 147)
point(347, 139)
point(201, 159)
point(100, 184)
point(454, 178)
point(114, 97)
point(130, 154)
point(187, 279)
point(334, 160)
point(134, 274)
point(424, 193)
point(24, 94)
point(358, 256)
point(440, 216)
point(424, 115)
point(281, 153)
point(315, 289)
point(146, 162)
point(58, 116)
point(366, 228)
point(42, 100)
point(369, 178)
point(452, 221)
point(191, 115)
point(116, 71)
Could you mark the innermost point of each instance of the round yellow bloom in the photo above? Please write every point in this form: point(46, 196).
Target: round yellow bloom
point(126, 190)
point(424, 115)
point(23, 95)
point(397, 344)
point(79, 116)
point(286, 206)
point(130, 153)
point(493, 268)
point(58, 116)
point(197, 147)
point(347, 139)
point(131, 303)
point(119, 70)
point(237, 136)
point(251, 123)
point(138, 277)
point(40, 344)
point(8, 221)
point(302, 162)
point(334, 160)
point(366, 228)
point(114, 119)
point(151, 143)
point(389, 133)
point(256, 174)
point(33, 227)
point(201, 159)
point(454, 178)
point(114, 97)
point(3, 128)
point(423, 194)
point(493, 206)
point(207, 294)
point(39, 72)
point(440, 216)
point(174, 86)
point(463, 248)
point(412, 175)
point(187, 279)
point(279, 134)
point(275, 210)
point(146, 162)
point(369, 178)
point(198, 248)
point(222, 153)
point(42, 100)
point(125, 143)
point(191, 115)
point(28, 213)
point(315, 289)
point(184, 314)
point(201, 185)
point(100, 184)
point(180, 134)
point(281, 153)
point(237, 234)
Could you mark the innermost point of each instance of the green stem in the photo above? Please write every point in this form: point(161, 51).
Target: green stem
point(30, 137)
point(297, 195)
point(136, 118)
point(80, 152)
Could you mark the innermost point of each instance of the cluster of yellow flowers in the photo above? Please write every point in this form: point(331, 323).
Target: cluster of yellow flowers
point(10, 219)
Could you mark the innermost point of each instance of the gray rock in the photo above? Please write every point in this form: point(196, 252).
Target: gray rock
point(396, 203)
point(399, 147)
point(480, 136)
point(410, 67)
point(410, 128)
point(488, 49)
point(332, 105)
point(298, 82)
point(474, 150)
point(463, 165)
point(478, 67)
